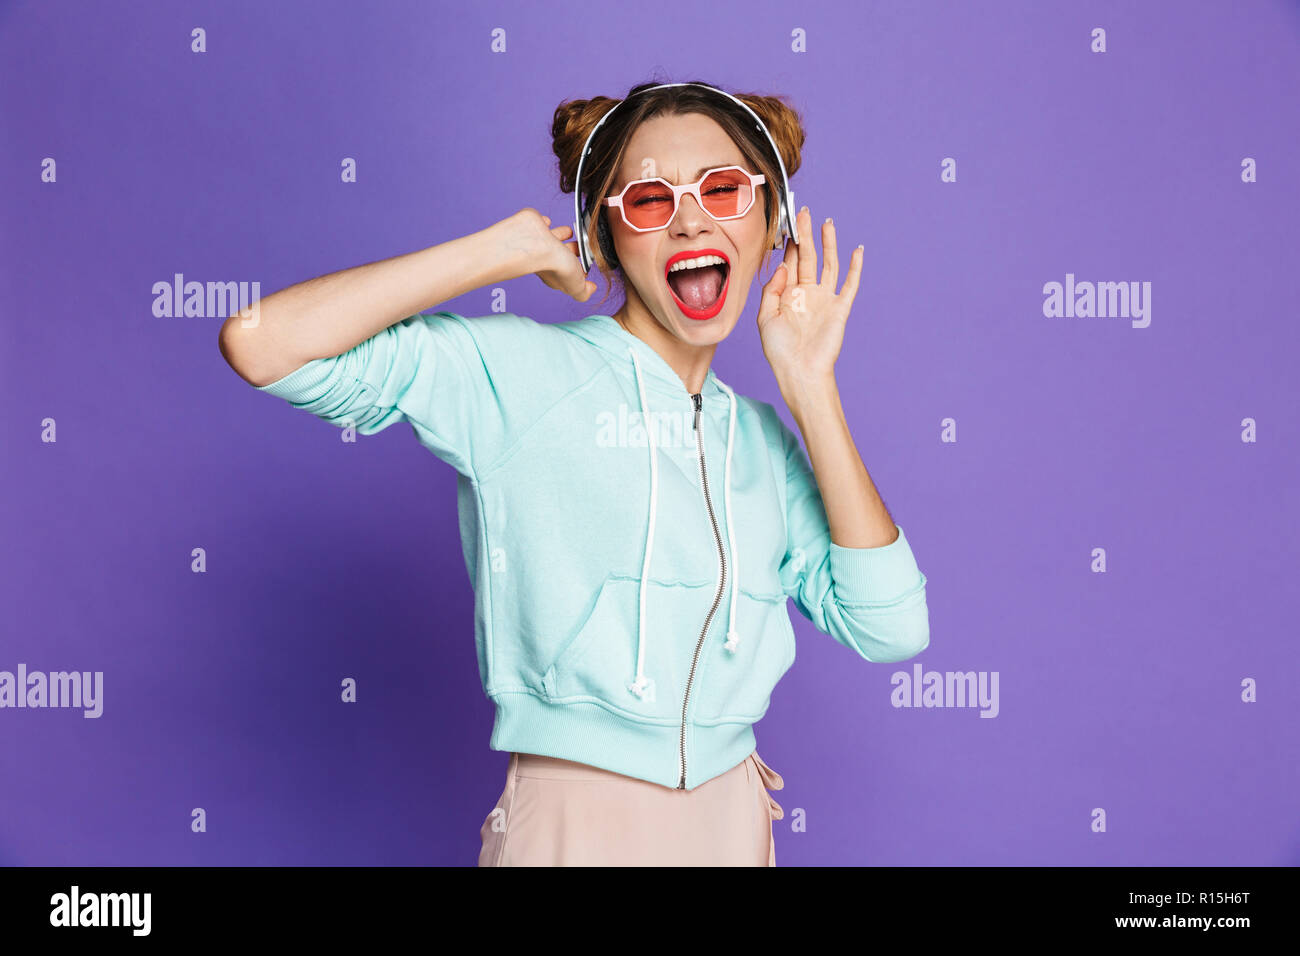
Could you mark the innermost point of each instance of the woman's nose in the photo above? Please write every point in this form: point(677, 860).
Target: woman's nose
point(690, 216)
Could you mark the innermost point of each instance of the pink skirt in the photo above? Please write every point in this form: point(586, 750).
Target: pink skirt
point(557, 812)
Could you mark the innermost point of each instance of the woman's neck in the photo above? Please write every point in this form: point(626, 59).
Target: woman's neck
point(690, 362)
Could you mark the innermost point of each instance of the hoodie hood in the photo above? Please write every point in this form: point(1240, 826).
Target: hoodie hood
point(653, 374)
point(604, 332)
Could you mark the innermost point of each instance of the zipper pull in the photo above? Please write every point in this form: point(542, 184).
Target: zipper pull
point(699, 404)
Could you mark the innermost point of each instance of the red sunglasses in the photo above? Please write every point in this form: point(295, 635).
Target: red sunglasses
point(727, 192)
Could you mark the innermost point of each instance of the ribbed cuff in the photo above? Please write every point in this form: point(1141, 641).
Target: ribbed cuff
point(875, 575)
point(303, 384)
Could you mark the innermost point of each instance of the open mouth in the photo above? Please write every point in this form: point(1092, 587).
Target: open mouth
point(698, 281)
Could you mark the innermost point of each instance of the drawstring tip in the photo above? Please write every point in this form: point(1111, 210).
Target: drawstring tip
point(733, 641)
point(644, 688)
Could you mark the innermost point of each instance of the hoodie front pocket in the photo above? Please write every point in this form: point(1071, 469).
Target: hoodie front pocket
point(599, 662)
point(738, 684)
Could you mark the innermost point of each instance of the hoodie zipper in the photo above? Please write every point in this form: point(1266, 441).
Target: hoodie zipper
point(698, 398)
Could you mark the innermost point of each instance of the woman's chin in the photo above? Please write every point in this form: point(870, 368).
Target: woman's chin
point(708, 331)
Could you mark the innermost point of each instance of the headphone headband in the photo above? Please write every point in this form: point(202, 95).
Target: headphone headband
point(785, 202)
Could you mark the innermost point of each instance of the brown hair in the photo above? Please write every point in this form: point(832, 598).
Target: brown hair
point(574, 120)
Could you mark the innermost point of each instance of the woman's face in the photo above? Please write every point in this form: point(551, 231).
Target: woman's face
point(677, 148)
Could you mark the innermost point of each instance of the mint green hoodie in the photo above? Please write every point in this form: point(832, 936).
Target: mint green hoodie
point(630, 583)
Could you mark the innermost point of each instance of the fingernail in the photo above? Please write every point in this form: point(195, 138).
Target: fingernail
point(828, 220)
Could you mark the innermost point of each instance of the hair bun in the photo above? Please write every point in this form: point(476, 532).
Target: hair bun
point(572, 124)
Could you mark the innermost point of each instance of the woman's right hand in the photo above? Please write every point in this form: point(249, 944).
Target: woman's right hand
point(544, 251)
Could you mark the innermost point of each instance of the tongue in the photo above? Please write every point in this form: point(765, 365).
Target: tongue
point(698, 288)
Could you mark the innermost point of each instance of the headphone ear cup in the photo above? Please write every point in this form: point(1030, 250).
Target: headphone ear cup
point(580, 236)
point(606, 243)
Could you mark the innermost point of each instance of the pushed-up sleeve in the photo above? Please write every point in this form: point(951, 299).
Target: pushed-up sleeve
point(443, 373)
point(871, 600)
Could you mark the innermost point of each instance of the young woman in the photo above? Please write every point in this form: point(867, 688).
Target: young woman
point(633, 528)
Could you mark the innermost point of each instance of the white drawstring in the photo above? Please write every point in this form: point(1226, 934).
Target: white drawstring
point(641, 685)
point(733, 638)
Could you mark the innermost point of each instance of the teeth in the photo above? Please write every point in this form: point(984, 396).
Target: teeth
point(682, 264)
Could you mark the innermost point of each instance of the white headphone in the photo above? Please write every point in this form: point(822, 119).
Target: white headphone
point(785, 202)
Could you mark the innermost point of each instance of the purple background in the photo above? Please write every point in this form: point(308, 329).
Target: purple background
point(1118, 690)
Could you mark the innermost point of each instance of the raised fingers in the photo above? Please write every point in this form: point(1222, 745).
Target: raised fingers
point(807, 252)
point(830, 257)
point(851, 280)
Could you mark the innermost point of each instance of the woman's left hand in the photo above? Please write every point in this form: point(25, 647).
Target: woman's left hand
point(800, 319)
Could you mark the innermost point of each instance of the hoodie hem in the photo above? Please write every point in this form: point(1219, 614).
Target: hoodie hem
point(588, 733)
